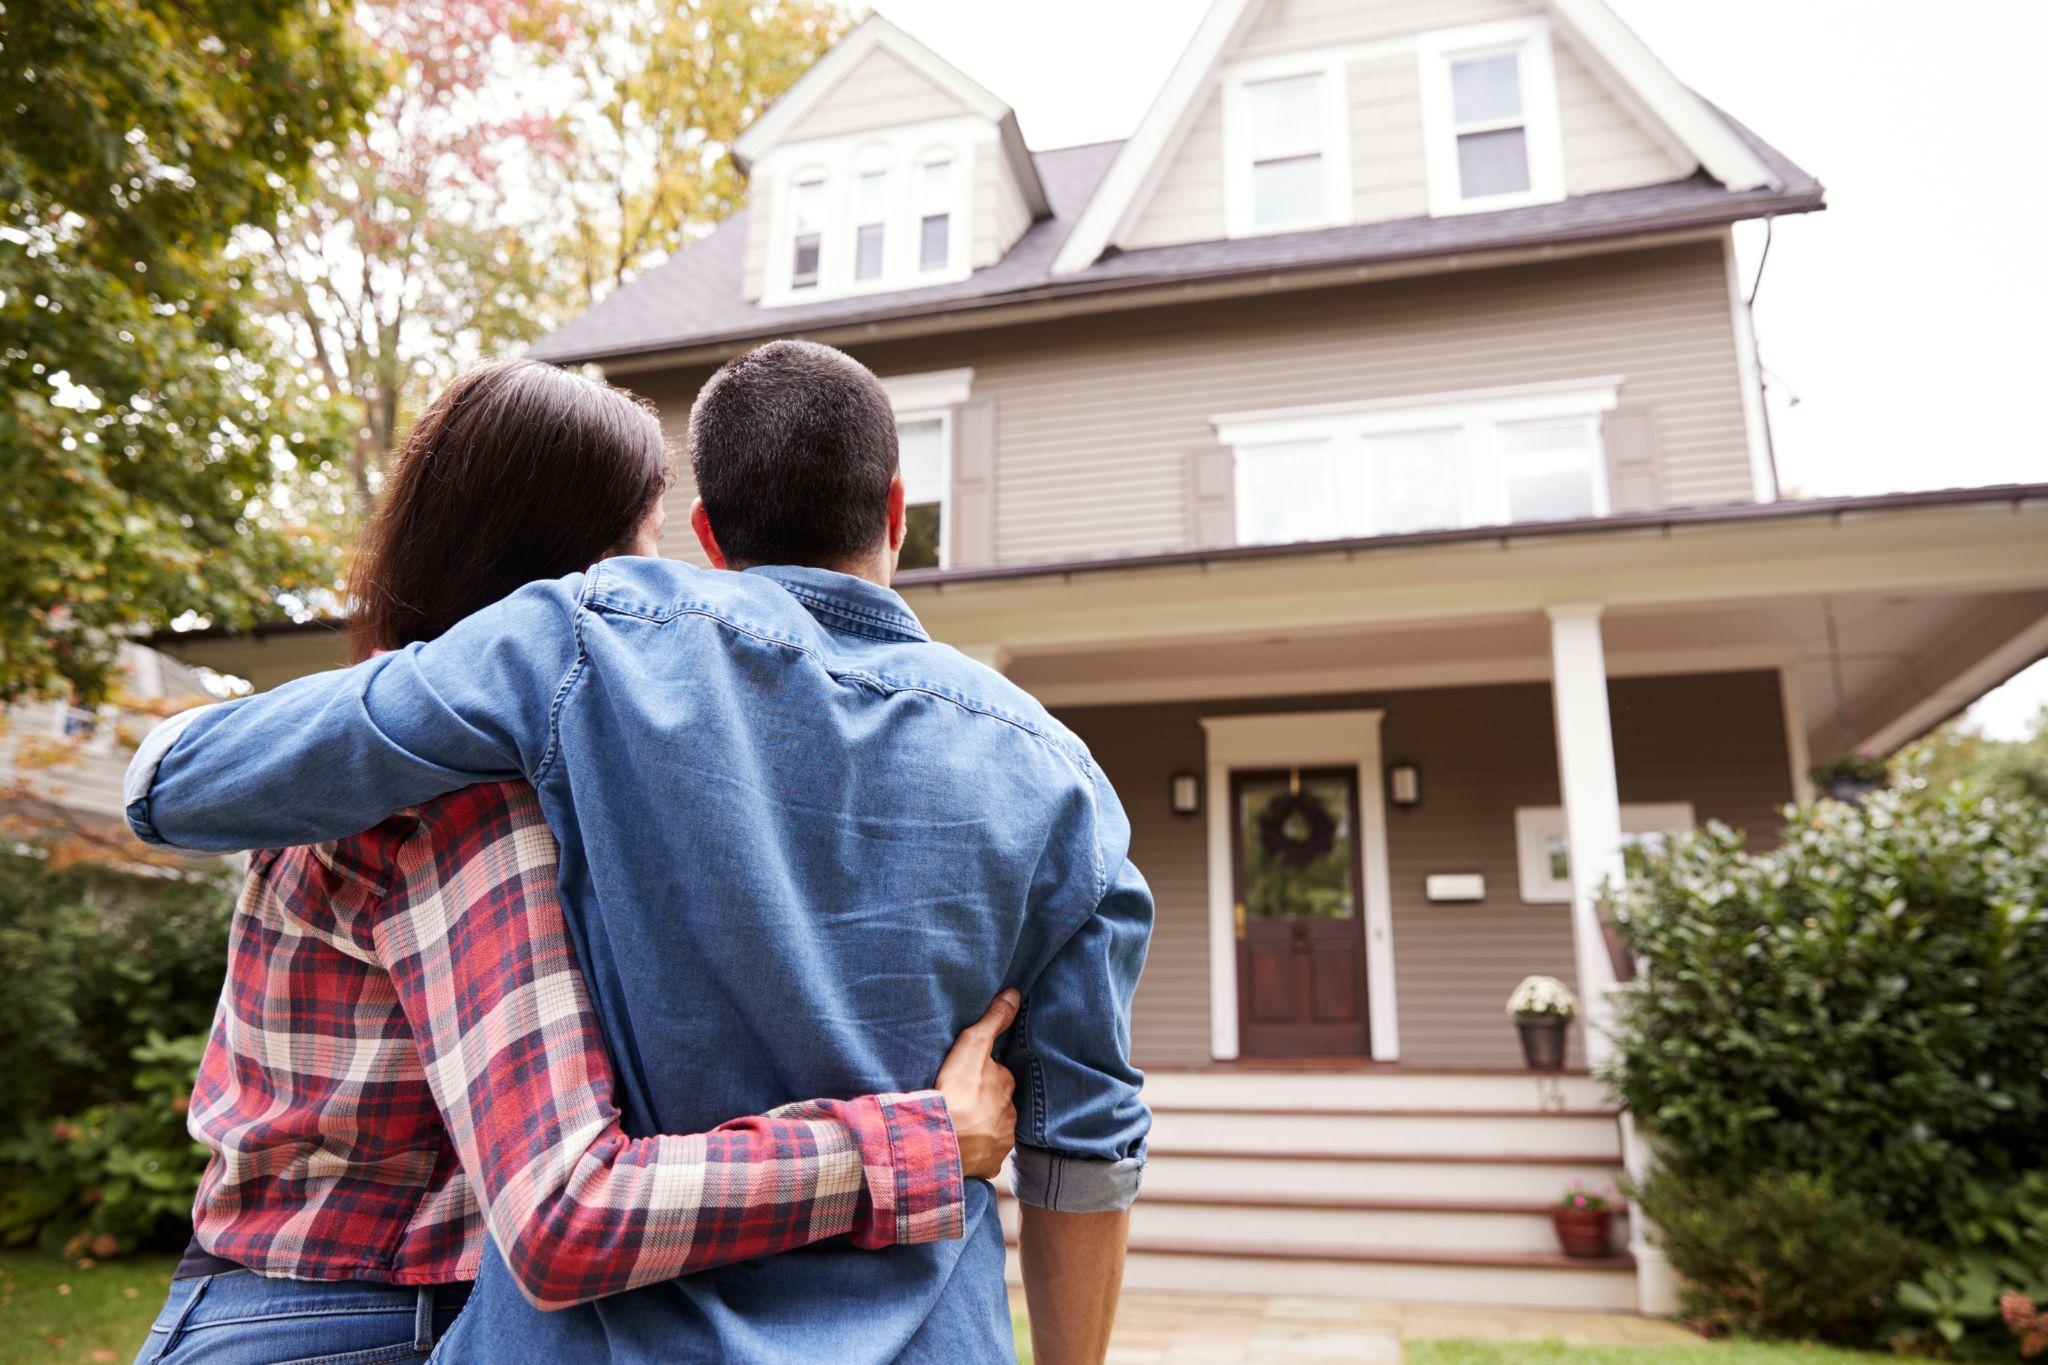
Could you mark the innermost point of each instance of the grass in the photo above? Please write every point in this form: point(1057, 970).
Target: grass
point(1562, 1353)
point(56, 1310)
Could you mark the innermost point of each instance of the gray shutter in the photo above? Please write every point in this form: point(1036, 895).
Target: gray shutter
point(1634, 483)
point(1212, 497)
point(973, 509)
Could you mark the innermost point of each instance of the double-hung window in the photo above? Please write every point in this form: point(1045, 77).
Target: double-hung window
point(924, 444)
point(870, 224)
point(1429, 464)
point(1285, 139)
point(1490, 117)
point(935, 215)
point(807, 228)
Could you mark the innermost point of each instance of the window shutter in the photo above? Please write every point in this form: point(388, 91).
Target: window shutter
point(973, 510)
point(1634, 483)
point(1212, 497)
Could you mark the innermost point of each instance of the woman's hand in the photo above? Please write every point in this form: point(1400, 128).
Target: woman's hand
point(977, 1090)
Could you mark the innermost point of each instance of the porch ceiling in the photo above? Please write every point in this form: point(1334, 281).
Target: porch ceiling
point(1932, 606)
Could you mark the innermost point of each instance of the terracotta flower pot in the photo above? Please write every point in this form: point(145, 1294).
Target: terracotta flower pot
point(1542, 1043)
point(1583, 1232)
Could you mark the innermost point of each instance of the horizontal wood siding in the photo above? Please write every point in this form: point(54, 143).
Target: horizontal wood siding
point(882, 92)
point(1000, 215)
point(1099, 416)
point(1604, 147)
point(760, 223)
point(1716, 741)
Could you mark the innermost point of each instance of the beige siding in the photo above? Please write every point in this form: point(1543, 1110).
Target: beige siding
point(1000, 215)
point(1304, 25)
point(1099, 416)
point(1604, 148)
point(881, 92)
point(1187, 205)
point(1717, 742)
point(760, 224)
point(1388, 178)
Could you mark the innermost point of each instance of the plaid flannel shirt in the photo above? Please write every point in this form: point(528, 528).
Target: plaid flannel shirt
point(404, 1036)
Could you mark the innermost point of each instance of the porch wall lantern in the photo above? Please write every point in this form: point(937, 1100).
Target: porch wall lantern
point(1184, 794)
point(1404, 786)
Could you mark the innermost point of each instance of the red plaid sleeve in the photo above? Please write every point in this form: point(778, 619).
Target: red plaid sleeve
point(476, 945)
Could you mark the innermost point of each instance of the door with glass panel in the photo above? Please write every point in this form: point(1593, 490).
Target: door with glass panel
point(1299, 910)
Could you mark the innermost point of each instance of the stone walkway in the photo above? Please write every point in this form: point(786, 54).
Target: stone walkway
point(1247, 1329)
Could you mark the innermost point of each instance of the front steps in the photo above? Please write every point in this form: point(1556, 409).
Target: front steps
point(1423, 1186)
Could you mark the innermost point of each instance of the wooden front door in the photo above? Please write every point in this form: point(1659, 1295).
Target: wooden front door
point(1299, 910)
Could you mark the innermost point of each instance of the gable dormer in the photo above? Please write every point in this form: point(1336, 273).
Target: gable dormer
point(883, 168)
point(1294, 115)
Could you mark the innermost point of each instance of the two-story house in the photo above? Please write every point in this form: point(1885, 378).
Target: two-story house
point(1367, 458)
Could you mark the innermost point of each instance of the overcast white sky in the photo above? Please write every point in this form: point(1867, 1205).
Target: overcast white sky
point(1907, 319)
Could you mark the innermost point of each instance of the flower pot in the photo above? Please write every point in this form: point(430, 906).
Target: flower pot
point(1542, 1043)
point(1583, 1232)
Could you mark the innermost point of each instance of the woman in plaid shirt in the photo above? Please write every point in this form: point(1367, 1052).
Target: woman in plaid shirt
point(405, 1054)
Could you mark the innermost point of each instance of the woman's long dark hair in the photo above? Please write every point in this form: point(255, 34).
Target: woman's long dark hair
point(517, 472)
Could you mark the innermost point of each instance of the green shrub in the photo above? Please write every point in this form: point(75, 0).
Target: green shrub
point(1984, 1300)
point(1867, 1003)
point(116, 1177)
point(1779, 1254)
point(96, 961)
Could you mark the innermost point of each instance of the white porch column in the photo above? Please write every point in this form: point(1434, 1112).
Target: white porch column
point(1592, 800)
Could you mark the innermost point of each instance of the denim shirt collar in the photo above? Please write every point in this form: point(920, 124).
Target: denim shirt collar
point(846, 602)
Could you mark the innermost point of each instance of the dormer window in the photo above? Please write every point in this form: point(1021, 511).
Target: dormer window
point(1489, 112)
point(807, 227)
point(1287, 147)
point(870, 224)
point(935, 214)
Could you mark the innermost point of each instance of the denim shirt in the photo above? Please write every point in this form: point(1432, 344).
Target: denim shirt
point(802, 847)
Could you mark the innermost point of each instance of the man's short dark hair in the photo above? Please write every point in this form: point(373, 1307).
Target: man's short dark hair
point(794, 447)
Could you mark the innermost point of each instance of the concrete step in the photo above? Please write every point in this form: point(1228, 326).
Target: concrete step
point(1523, 1178)
point(1311, 1221)
point(1286, 1090)
point(1459, 1132)
point(1521, 1280)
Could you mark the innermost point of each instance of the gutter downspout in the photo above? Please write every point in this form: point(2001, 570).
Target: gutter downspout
point(1756, 355)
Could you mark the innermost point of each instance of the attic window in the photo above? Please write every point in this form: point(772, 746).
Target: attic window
point(1286, 146)
point(1489, 112)
point(807, 222)
point(870, 223)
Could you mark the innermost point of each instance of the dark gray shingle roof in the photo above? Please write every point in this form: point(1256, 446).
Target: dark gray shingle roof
point(694, 298)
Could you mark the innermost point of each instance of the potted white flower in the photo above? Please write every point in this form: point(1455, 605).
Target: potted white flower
point(1542, 1006)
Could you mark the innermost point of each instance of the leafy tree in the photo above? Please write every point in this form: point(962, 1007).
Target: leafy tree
point(409, 250)
point(143, 418)
point(1959, 752)
point(664, 86)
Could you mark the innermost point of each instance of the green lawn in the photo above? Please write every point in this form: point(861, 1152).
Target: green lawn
point(1559, 1353)
point(52, 1310)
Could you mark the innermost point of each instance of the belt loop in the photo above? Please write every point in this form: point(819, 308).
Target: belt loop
point(423, 1320)
point(178, 1325)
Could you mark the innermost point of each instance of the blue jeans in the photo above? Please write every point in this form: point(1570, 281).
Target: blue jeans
point(242, 1318)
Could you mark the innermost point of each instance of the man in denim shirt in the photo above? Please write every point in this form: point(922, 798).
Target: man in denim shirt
point(802, 847)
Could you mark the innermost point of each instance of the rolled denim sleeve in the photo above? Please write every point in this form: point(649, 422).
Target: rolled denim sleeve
point(332, 754)
point(1081, 1122)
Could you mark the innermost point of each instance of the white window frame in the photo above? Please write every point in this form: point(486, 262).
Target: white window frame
point(840, 162)
point(1529, 41)
point(1335, 104)
point(925, 395)
point(1478, 414)
point(1536, 826)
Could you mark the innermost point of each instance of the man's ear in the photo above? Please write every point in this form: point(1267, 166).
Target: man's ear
point(700, 522)
point(899, 523)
